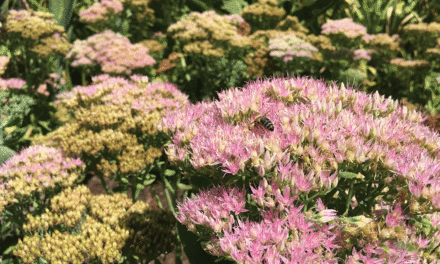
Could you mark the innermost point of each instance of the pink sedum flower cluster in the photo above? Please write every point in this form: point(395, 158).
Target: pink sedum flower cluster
point(361, 54)
point(113, 52)
point(342, 170)
point(100, 11)
point(36, 169)
point(13, 83)
point(290, 46)
point(267, 241)
point(344, 26)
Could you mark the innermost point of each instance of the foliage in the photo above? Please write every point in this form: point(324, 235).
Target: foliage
point(32, 46)
point(212, 46)
point(382, 16)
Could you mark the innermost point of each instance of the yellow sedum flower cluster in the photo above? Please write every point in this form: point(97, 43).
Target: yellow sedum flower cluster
point(422, 34)
point(114, 122)
point(36, 170)
point(263, 15)
point(39, 29)
point(209, 33)
point(80, 227)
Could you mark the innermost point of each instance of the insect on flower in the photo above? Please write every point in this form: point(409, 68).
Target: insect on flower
point(264, 122)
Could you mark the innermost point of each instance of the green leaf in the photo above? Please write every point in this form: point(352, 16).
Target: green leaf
point(193, 249)
point(7, 261)
point(140, 186)
point(232, 181)
point(347, 174)
point(124, 180)
point(159, 164)
point(5, 154)
point(62, 11)
point(169, 173)
point(184, 187)
point(148, 182)
point(5, 227)
point(9, 249)
point(45, 124)
point(234, 6)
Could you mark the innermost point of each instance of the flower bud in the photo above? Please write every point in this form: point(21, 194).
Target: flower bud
point(339, 107)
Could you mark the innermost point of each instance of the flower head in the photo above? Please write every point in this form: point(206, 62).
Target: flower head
point(321, 134)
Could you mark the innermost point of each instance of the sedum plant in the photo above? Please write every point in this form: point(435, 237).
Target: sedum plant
point(288, 46)
point(131, 18)
point(214, 48)
point(83, 228)
point(421, 36)
point(348, 61)
point(112, 125)
point(32, 44)
point(101, 13)
point(265, 14)
point(113, 53)
point(329, 175)
point(382, 47)
point(28, 180)
point(294, 54)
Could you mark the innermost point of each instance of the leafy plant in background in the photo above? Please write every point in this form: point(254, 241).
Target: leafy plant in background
point(16, 108)
point(156, 45)
point(383, 16)
point(5, 152)
point(433, 105)
point(214, 51)
point(409, 76)
point(261, 63)
point(32, 46)
point(294, 54)
point(263, 15)
point(336, 169)
point(382, 48)
point(421, 37)
point(103, 15)
point(346, 37)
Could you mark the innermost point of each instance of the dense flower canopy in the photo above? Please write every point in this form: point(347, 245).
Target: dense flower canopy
point(353, 168)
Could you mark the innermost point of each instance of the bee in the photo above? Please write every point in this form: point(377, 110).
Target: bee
point(264, 122)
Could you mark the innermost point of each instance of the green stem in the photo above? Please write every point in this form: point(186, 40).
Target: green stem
point(170, 201)
point(104, 185)
point(83, 78)
point(350, 195)
point(134, 194)
point(159, 203)
point(168, 186)
point(178, 249)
